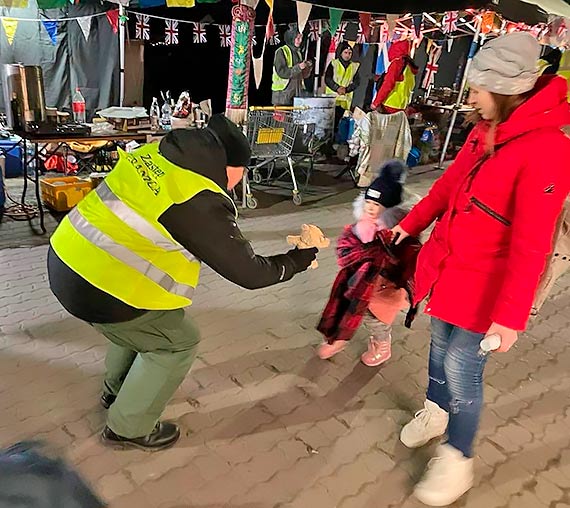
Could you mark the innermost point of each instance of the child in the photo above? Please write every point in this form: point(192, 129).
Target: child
point(375, 278)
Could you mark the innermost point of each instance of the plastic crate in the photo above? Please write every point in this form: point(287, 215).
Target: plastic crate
point(63, 193)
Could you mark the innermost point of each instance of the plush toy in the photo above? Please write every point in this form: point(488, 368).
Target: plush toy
point(311, 236)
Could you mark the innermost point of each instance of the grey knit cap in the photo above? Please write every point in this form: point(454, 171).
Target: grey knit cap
point(506, 65)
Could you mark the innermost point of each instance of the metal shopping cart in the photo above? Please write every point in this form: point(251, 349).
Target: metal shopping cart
point(272, 132)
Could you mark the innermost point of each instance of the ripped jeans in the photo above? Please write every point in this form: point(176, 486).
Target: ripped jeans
point(456, 381)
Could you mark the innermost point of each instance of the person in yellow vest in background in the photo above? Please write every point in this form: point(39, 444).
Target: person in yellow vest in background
point(395, 92)
point(341, 79)
point(127, 261)
point(289, 69)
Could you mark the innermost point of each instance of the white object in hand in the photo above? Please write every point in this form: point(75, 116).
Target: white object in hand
point(489, 343)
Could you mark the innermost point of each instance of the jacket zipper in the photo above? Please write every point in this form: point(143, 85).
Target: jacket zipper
point(490, 211)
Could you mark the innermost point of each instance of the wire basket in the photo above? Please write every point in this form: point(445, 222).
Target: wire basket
point(271, 132)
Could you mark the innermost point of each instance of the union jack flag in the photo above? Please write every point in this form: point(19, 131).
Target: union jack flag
point(314, 32)
point(341, 31)
point(253, 38)
point(432, 66)
point(360, 36)
point(274, 39)
point(199, 33)
point(449, 23)
point(225, 35)
point(171, 32)
point(384, 35)
point(142, 27)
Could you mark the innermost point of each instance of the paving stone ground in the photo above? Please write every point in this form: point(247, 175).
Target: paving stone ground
point(268, 425)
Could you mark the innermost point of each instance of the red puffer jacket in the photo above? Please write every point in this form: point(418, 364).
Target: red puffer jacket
point(496, 220)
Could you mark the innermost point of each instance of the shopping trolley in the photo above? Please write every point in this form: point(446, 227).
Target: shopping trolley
point(271, 132)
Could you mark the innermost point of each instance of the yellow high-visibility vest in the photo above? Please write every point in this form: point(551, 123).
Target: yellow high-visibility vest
point(279, 84)
point(400, 97)
point(113, 238)
point(343, 76)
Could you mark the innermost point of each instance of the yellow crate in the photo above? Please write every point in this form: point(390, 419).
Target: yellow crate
point(63, 193)
point(270, 135)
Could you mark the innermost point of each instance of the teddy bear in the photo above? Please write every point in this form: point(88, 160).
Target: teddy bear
point(311, 236)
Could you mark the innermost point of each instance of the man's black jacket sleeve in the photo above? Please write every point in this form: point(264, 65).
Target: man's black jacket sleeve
point(206, 227)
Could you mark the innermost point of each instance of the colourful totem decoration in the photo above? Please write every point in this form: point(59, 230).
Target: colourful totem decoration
point(240, 61)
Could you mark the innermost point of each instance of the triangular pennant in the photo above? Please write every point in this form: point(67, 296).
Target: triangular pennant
point(365, 19)
point(270, 28)
point(303, 11)
point(258, 66)
point(335, 15)
point(365, 47)
point(417, 21)
point(51, 4)
point(51, 29)
point(10, 26)
point(181, 3)
point(449, 44)
point(391, 19)
point(85, 25)
point(113, 18)
point(429, 45)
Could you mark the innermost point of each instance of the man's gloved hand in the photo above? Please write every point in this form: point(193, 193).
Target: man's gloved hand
point(302, 258)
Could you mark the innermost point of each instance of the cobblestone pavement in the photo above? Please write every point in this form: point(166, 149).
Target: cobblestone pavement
point(266, 424)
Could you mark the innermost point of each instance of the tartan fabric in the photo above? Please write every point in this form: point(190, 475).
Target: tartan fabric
point(360, 265)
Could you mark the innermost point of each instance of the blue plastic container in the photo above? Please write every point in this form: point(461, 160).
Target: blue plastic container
point(12, 151)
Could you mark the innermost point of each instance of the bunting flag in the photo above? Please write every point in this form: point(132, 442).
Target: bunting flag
point(10, 26)
point(124, 3)
point(18, 4)
point(270, 28)
point(142, 27)
point(384, 33)
point(144, 4)
point(52, 4)
point(561, 31)
point(303, 12)
point(418, 20)
point(449, 44)
point(382, 62)
point(360, 36)
point(335, 15)
point(254, 39)
point(432, 66)
point(331, 54)
point(199, 33)
point(258, 66)
point(341, 32)
point(171, 32)
point(85, 25)
point(391, 19)
point(225, 35)
point(365, 19)
point(449, 23)
point(181, 3)
point(113, 18)
point(314, 30)
point(51, 29)
point(274, 40)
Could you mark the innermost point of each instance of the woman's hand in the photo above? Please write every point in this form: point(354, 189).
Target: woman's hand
point(399, 234)
point(508, 336)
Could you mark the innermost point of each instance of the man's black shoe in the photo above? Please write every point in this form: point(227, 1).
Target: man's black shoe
point(164, 435)
point(107, 399)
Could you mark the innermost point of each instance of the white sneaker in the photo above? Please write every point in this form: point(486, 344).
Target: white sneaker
point(449, 475)
point(427, 424)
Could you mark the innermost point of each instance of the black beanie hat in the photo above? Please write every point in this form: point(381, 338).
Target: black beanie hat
point(236, 145)
point(386, 190)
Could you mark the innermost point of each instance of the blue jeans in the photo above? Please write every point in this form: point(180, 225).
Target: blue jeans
point(456, 381)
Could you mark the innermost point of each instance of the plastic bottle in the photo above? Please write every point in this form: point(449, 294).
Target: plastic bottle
point(489, 343)
point(165, 119)
point(154, 115)
point(78, 105)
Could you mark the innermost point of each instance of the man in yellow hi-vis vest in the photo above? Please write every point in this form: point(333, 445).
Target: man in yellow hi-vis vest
point(341, 76)
point(289, 69)
point(127, 260)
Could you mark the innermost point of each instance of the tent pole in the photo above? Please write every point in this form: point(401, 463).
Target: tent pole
point(318, 60)
point(122, 33)
point(457, 105)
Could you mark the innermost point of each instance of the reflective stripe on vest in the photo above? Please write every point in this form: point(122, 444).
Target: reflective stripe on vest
point(542, 65)
point(114, 239)
point(564, 69)
point(343, 76)
point(400, 97)
point(279, 83)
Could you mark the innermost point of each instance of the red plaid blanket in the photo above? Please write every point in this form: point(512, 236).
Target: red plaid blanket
point(360, 265)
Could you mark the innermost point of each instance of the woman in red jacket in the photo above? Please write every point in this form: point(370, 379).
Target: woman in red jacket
point(495, 209)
